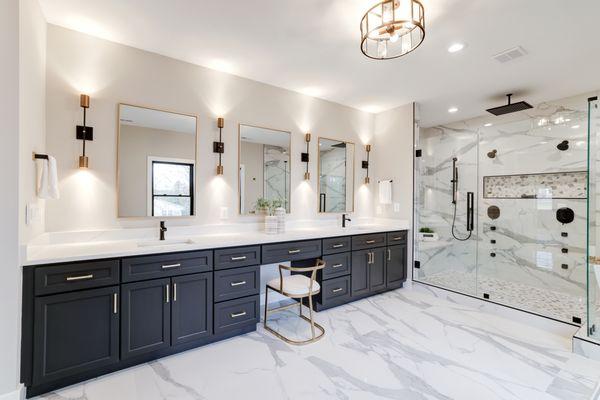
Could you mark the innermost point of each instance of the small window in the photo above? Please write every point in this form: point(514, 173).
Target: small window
point(172, 189)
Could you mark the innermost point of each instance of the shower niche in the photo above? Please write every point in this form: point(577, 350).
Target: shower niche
point(519, 254)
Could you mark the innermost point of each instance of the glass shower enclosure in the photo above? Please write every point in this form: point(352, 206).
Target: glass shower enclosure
point(521, 241)
point(593, 212)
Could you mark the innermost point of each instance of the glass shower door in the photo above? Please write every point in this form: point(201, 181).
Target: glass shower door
point(593, 211)
point(445, 249)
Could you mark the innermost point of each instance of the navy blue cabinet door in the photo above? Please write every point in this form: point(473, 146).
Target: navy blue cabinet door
point(377, 270)
point(360, 272)
point(75, 332)
point(192, 305)
point(146, 317)
point(396, 266)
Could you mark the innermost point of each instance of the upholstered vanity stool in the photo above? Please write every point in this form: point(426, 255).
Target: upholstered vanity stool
point(296, 286)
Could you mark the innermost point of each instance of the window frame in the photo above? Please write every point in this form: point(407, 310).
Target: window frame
point(152, 195)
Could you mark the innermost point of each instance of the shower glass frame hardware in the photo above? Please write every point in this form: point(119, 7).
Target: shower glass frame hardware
point(519, 255)
point(593, 221)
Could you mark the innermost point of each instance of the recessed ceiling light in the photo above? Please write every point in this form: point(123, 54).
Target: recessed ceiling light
point(452, 110)
point(455, 47)
point(488, 124)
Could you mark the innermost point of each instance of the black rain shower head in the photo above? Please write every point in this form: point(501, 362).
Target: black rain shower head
point(510, 107)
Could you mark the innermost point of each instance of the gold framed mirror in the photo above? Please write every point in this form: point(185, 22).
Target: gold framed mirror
point(156, 162)
point(264, 168)
point(336, 176)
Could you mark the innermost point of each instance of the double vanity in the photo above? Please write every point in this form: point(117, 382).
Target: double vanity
point(107, 306)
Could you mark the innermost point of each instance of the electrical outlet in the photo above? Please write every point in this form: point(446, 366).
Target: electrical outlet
point(396, 207)
point(32, 213)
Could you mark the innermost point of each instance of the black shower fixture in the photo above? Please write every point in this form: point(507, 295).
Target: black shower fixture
point(565, 215)
point(493, 212)
point(510, 107)
point(564, 145)
point(492, 154)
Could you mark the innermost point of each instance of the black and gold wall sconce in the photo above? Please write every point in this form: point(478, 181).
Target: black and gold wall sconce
point(365, 164)
point(84, 132)
point(219, 147)
point(306, 156)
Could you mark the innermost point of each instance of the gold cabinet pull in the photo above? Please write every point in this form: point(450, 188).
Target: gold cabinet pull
point(240, 258)
point(338, 245)
point(238, 283)
point(397, 238)
point(296, 251)
point(115, 303)
point(174, 292)
point(370, 241)
point(337, 265)
point(337, 290)
point(79, 277)
point(389, 255)
point(237, 315)
point(167, 295)
point(171, 266)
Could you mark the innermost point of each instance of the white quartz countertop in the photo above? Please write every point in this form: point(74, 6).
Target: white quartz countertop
point(106, 247)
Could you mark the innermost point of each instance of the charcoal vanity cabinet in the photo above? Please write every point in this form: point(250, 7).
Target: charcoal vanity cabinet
point(87, 318)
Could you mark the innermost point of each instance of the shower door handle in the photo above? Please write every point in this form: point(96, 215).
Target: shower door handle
point(470, 210)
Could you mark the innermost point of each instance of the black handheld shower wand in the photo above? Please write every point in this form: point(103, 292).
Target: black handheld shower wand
point(470, 203)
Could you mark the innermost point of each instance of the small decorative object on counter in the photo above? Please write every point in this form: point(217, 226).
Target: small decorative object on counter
point(280, 214)
point(270, 224)
point(427, 235)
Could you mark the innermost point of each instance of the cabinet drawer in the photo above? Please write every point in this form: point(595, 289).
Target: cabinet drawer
point(290, 251)
point(238, 282)
point(335, 290)
point(236, 314)
point(337, 265)
point(368, 241)
point(237, 257)
point(336, 245)
point(150, 267)
point(69, 277)
point(396, 237)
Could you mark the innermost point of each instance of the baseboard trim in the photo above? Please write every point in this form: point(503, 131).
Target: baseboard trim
point(18, 394)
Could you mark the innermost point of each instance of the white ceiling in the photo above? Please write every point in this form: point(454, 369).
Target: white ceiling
point(312, 46)
point(255, 134)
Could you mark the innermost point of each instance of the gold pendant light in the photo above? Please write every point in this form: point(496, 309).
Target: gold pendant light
point(392, 28)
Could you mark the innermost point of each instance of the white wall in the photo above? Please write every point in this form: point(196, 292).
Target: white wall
point(113, 73)
point(392, 158)
point(32, 110)
point(9, 206)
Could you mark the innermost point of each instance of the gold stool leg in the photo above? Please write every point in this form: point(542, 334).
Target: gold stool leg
point(266, 305)
point(312, 321)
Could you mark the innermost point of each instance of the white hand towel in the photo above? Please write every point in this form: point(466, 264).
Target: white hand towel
point(42, 188)
point(48, 179)
point(385, 192)
point(53, 178)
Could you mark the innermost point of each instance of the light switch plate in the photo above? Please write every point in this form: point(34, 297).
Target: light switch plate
point(396, 207)
point(32, 213)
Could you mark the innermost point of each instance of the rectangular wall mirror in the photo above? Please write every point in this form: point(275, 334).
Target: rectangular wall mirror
point(156, 163)
point(336, 176)
point(264, 168)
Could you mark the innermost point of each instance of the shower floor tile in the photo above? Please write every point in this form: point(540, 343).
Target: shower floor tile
point(406, 344)
point(557, 305)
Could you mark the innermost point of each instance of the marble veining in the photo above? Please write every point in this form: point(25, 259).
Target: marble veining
point(405, 344)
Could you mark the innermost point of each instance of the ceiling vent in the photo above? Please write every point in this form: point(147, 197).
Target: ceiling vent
point(510, 54)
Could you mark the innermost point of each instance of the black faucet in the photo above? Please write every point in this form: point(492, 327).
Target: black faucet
point(163, 229)
point(344, 219)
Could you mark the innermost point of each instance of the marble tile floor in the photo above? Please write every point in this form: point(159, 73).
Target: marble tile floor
point(553, 304)
point(406, 344)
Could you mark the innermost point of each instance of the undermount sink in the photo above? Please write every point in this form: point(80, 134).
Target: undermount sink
point(167, 242)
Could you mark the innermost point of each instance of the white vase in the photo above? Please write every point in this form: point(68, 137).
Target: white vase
point(270, 224)
point(280, 214)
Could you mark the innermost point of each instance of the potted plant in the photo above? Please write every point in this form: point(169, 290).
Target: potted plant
point(427, 234)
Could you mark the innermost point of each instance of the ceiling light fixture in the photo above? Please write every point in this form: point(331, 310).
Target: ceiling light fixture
point(392, 28)
point(488, 124)
point(456, 47)
point(452, 110)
